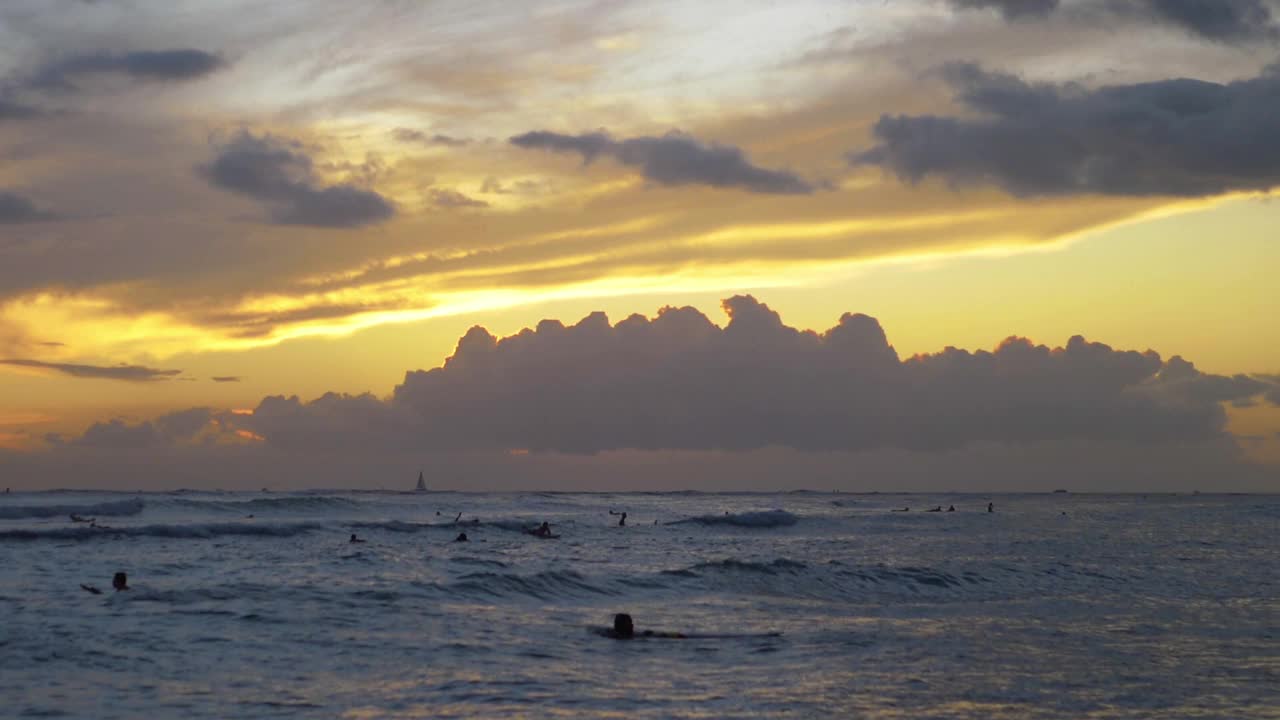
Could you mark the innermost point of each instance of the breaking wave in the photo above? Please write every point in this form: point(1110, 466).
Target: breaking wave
point(306, 503)
point(202, 531)
point(117, 508)
point(195, 531)
point(760, 519)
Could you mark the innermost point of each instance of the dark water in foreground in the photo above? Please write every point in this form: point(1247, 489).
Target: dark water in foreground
point(1125, 607)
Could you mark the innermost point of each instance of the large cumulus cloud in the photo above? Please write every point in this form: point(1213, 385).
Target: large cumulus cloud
point(281, 173)
point(673, 159)
point(1177, 137)
point(165, 431)
point(680, 382)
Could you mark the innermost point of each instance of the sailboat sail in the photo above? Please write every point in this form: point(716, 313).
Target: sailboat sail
point(422, 486)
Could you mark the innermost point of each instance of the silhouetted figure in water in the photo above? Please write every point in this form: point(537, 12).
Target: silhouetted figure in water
point(544, 530)
point(462, 537)
point(935, 509)
point(77, 518)
point(951, 508)
point(355, 539)
point(991, 507)
point(624, 629)
point(120, 581)
point(622, 522)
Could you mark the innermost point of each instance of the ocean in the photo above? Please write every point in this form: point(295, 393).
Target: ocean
point(811, 605)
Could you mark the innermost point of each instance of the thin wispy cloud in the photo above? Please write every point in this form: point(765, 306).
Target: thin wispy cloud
point(175, 65)
point(128, 373)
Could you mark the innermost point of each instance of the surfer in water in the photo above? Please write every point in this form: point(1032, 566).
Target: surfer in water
point(624, 629)
point(622, 521)
point(119, 581)
point(991, 507)
point(79, 519)
point(951, 508)
point(462, 537)
point(355, 539)
point(544, 530)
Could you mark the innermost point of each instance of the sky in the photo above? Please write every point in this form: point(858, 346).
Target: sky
point(602, 245)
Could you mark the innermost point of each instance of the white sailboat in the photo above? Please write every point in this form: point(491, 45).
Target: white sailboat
point(421, 486)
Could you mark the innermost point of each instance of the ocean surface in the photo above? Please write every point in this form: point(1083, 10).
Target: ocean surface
point(257, 605)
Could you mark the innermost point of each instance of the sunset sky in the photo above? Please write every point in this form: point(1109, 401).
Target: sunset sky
point(228, 229)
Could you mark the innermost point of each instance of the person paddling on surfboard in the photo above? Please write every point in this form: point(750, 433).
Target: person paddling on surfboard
point(624, 629)
point(544, 530)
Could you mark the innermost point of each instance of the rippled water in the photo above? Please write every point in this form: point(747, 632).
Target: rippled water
point(1124, 607)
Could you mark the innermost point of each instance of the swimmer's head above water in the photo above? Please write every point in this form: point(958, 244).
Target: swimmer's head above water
point(622, 626)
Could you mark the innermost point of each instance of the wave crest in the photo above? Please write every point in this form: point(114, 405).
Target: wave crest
point(758, 519)
point(116, 508)
point(197, 531)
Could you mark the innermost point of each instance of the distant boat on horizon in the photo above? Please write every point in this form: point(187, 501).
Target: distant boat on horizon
point(422, 485)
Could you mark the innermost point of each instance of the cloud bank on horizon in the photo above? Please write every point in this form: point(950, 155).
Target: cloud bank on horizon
point(279, 206)
point(679, 383)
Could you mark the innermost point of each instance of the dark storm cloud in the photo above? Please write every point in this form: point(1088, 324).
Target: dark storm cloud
point(1177, 137)
point(153, 65)
point(16, 209)
point(445, 198)
point(408, 135)
point(1219, 20)
point(673, 159)
point(130, 373)
point(1011, 9)
point(280, 172)
point(679, 382)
